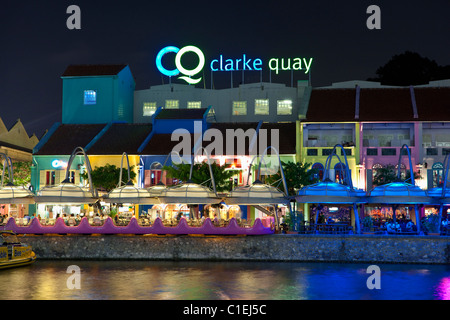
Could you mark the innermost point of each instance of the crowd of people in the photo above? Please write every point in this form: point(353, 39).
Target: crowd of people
point(402, 226)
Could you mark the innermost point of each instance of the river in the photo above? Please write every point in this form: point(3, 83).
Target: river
point(195, 280)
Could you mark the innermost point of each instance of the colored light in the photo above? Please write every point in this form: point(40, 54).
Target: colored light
point(164, 71)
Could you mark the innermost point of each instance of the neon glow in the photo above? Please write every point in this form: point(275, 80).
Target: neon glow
point(276, 64)
point(226, 64)
point(237, 64)
point(59, 164)
point(180, 69)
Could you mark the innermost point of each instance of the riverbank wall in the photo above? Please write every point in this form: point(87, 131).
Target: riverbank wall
point(277, 247)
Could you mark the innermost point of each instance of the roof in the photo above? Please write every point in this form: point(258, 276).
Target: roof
point(287, 136)
point(120, 138)
point(379, 104)
point(93, 70)
point(229, 138)
point(181, 113)
point(433, 104)
point(386, 105)
point(331, 105)
point(69, 136)
point(162, 144)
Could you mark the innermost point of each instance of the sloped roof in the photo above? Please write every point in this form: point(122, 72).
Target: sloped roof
point(120, 138)
point(287, 136)
point(433, 104)
point(331, 105)
point(379, 104)
point(228, 138)
point(162, 144)
point(69, 136)
point(93, 70)
point(386, 105)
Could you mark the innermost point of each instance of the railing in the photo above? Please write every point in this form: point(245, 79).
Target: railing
point(230, 227)
point(322, 228)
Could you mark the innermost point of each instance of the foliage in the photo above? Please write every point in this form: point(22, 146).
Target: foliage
point(200, 174)
point(21, 173)
point(409, 68)
point(367, 223)
point(431, 223)
point(297, 176)
point(388, 174)
point(107, 176)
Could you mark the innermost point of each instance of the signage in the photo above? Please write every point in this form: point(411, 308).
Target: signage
point(226, 64)
point(180, 69)
point(59, 164)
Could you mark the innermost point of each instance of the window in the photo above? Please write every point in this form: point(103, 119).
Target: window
point(239, 108)
point(432, 151)
point(90, 96)
point(262, 106)
point(50, 178)
point(172, 104)
point(319, 170)
point(72, 176)
point(438, 174)
point(284, 107)
point(194, 104)
point(149, 108)
point(340, 171)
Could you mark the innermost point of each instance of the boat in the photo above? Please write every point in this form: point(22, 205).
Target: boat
point(14, 253)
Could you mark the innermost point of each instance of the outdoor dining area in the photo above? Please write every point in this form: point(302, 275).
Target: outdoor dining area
point(335, 206)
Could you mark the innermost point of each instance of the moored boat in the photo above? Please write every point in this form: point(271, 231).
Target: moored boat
point(14, 253)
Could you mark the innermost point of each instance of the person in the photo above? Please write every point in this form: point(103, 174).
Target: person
point(179, 215)
point(445, 224)
point(97, 220)
point(397, 226)
point(71, 220)
point(390, 226)
point(216, 219)
point(410, 226)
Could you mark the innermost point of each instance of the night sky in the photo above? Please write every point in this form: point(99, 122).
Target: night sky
point(37, 46)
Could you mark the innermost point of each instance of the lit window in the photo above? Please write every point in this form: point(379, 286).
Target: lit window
point(149, 108)
point(90, 96)
point(284, 107)
point(239, 108)
point(194, 104)
point(262, 106)
point(172, 104)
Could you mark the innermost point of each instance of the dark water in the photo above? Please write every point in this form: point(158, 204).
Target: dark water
point(156, 280)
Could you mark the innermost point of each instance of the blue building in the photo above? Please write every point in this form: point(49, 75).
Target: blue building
point(97, 94)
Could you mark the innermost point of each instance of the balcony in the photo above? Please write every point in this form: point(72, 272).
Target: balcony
point(326, 151)
point(385, 151)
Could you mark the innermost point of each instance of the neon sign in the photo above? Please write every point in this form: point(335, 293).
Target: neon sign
point(59, 164)
point(180, 69)
point(223, 64)
point(233, 65)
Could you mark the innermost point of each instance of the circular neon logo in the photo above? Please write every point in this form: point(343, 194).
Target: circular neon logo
point(179, 67)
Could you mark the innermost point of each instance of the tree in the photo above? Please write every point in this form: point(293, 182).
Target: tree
point(410, 68)
point(107, 176)
point(21, 173)
point(388, 174)
point(297, 176)
point(200, 174)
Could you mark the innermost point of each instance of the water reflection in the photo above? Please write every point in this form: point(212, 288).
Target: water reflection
point(164, 280)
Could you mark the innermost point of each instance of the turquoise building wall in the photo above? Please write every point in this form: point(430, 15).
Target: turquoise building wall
point(114, 100)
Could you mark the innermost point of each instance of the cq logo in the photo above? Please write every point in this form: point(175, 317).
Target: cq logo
point(180, 69)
